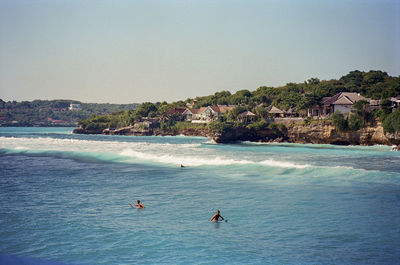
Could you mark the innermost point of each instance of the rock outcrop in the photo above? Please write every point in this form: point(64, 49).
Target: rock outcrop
point(327, 134)
point(129, 130)
point(81, 130)
point(245, 134)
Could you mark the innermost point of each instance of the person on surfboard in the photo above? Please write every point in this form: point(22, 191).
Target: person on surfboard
point(138, 205)
point(216, 217)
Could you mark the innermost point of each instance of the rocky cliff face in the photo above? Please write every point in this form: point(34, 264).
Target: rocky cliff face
point(245, 134)
point(81, 130)
point(327, 134)
point(323, 133)
point(314, 133)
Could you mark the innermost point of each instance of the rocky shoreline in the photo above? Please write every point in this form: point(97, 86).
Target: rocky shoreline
point(321, 133)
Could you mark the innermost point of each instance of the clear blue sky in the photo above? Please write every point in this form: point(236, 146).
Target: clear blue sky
point(145, 50)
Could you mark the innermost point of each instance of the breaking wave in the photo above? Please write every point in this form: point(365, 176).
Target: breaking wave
point(173, 154)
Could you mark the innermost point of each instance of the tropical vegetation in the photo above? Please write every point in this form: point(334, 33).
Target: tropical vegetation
point(298, 96)
point(53, 112)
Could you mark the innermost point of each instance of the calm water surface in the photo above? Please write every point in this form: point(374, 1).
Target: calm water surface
point(64, 199)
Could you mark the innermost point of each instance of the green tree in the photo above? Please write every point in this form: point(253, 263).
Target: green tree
point(313, 81)
point(362, 110)
point(373, 77)
point(392, 123)
point(220, 127)
point(353, 79)
point(339, 121)
point(355, 122)
point(261, 112)
point(145, 109)
point(233, 114)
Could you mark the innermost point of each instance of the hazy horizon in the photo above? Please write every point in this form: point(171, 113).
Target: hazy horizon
point(136, 51)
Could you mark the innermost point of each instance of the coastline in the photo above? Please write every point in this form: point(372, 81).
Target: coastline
point(322, 133)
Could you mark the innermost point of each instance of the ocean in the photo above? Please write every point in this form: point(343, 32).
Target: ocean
point(65, 200)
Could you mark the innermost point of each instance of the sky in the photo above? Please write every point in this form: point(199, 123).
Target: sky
point(133, 51)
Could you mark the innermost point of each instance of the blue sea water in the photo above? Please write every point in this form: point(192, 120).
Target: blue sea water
point(64, 200)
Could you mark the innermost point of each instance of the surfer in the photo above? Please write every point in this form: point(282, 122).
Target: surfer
point(216, 216)
point(139, 205)
point(182, 165)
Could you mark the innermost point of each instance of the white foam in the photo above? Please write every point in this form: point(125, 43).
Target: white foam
point(195, 160)
point(282, 164)
point(20, 148)
point(187, 154)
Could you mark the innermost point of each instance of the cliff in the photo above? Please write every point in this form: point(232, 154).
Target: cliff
point(327, 134)
point(320, 133)
point(314, 133)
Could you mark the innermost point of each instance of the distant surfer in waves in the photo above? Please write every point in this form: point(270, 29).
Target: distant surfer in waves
point(182, 165)
point(216, 217)
point(139, 205)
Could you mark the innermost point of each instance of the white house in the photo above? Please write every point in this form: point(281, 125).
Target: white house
point(213, 112)
point(75, 107)
point(193, 114)
point(207, 113)
point(342, 102)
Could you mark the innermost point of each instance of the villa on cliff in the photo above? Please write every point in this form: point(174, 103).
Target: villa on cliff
point(205, 114)
point(274, 111)
point(342, 102)
point(247, 117)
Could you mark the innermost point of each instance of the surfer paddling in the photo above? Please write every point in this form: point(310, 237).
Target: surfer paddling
point(139, 205)
point(216, 217)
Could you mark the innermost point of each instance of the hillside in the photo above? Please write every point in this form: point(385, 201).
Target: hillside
point(293, 98)
point(53, 112)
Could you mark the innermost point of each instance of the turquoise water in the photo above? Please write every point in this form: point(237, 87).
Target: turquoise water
point(64, 199)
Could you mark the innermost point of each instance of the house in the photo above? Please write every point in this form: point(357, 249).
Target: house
point(188, 114)
point(247, 116)
point(225, 108)
point(193, 114)
point(342, 102)
point(176, 111)
point(275, 112)
point(207, 113)
point(75, 107)
point(213, 112)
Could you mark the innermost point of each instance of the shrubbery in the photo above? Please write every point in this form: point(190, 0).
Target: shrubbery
point(258, 125)
point(355, 122)
point(220, 127)
point(339, 121)
point(185, 125)
point(392, 122)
